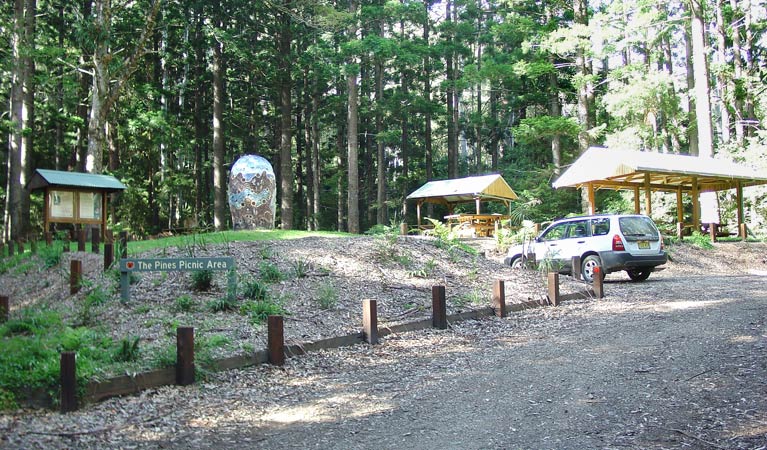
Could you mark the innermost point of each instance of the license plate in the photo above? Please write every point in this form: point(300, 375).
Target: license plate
point(643, 245)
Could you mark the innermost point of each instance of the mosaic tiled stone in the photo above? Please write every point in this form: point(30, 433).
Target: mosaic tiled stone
point(252, 193)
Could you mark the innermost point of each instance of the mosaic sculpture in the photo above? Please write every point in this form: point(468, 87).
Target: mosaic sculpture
point(252, 193)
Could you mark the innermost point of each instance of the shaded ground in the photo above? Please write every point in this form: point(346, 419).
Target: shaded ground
point(673, 362)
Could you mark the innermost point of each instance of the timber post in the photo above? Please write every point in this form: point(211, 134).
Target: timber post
point(370, 321)
point(276, 340)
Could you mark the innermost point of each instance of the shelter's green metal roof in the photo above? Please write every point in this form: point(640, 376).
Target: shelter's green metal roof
point(55, 178)
point(458, 190)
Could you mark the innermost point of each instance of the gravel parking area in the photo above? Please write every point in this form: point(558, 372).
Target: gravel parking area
point(676, 361)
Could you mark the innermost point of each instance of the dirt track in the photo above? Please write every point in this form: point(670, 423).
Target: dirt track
point(674, 362)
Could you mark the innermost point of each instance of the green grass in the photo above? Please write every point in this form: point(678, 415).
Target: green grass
point(223, 237)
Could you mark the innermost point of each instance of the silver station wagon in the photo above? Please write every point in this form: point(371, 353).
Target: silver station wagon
point(612, 242)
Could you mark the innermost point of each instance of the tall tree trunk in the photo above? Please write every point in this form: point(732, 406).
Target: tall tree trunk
point(219, 146)
point(585, 90)
point(316, 160)
point(12, 219)
point(309, 140)
point(700, 72)
point(692, 127)
point(286, 138)
point(427, 139)
point(381, 216)
point(722, 79)
point(28, 112)
point(353, 217)
point(452, 132)
point(737, 63)
point(555, 110)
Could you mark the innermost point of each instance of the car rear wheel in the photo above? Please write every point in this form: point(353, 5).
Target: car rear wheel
point(587, 268)
point(639, 274)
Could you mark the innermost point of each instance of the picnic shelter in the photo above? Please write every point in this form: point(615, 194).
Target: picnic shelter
point(610, 168)
point(476, 189)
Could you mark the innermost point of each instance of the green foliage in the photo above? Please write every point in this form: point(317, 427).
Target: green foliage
point(327, 296)
point(202, 280)
point(51, 254)
point(700, 240)
point(270, 272)
point(385, 241)
point(301, 267)
point(254, 289)
point(259, 311)
point(223, 304)
point(185, 303)
point(128, 350)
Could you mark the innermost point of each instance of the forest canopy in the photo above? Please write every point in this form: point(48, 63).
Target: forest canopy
point(356, 103)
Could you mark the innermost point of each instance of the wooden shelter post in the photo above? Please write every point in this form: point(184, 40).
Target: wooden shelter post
point(647, 195)
point(679, 212)
point(418, 212)
point(592, 202)
point(476, 200)
point(695, 204)
point(637, 207)
point(741, 218)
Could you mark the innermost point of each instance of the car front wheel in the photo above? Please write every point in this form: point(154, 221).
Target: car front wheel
point(516, 263)
point(639, 274)
point(587, 268)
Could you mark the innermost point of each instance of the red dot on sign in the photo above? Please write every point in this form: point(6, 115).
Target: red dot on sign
point(129, 265)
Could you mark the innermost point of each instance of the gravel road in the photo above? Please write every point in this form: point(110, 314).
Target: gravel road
point(674, 362)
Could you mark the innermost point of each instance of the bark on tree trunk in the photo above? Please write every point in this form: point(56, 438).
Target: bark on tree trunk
point(286, 138)
point(219, 174)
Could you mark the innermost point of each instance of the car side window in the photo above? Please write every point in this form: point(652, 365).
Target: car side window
point(578, 229)
point(554, 233)
point(600, 227)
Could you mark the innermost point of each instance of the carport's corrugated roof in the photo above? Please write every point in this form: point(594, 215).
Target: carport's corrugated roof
point(460, 190)
point(44, 178)
point(624, 168)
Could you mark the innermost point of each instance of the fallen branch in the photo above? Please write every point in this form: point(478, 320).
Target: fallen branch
point(683, 433)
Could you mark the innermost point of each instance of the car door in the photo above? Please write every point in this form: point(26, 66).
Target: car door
point(576, 242)
point(551, 244)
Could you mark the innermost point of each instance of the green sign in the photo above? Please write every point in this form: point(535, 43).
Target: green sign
point(129, 265)
point(179, 264)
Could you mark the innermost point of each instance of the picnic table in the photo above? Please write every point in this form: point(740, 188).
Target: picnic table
point(475, 225)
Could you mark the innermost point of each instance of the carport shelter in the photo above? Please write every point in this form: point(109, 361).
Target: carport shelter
point(463, 190)
point(607, 168)
point(74, 197)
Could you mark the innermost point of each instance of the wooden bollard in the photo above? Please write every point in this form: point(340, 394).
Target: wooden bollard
point(123, 244)
point(598, 283)
point(679, 230)
point(81, 239)
point(75, 276)
point(370, 321)
point(68, 371)
point(95, 240)
point(5, 308)
point(109, 255)
point(576, 271)
point(48, 238)
point(184, 356)
point(438, 308)
point(712, 231)
point(553, 287)
point(499, 298)
point(403, 229)
point(276, 340)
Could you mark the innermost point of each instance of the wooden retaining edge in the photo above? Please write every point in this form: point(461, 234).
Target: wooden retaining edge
point(99, 390)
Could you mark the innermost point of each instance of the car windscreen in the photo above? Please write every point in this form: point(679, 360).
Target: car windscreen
point(638, 227)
